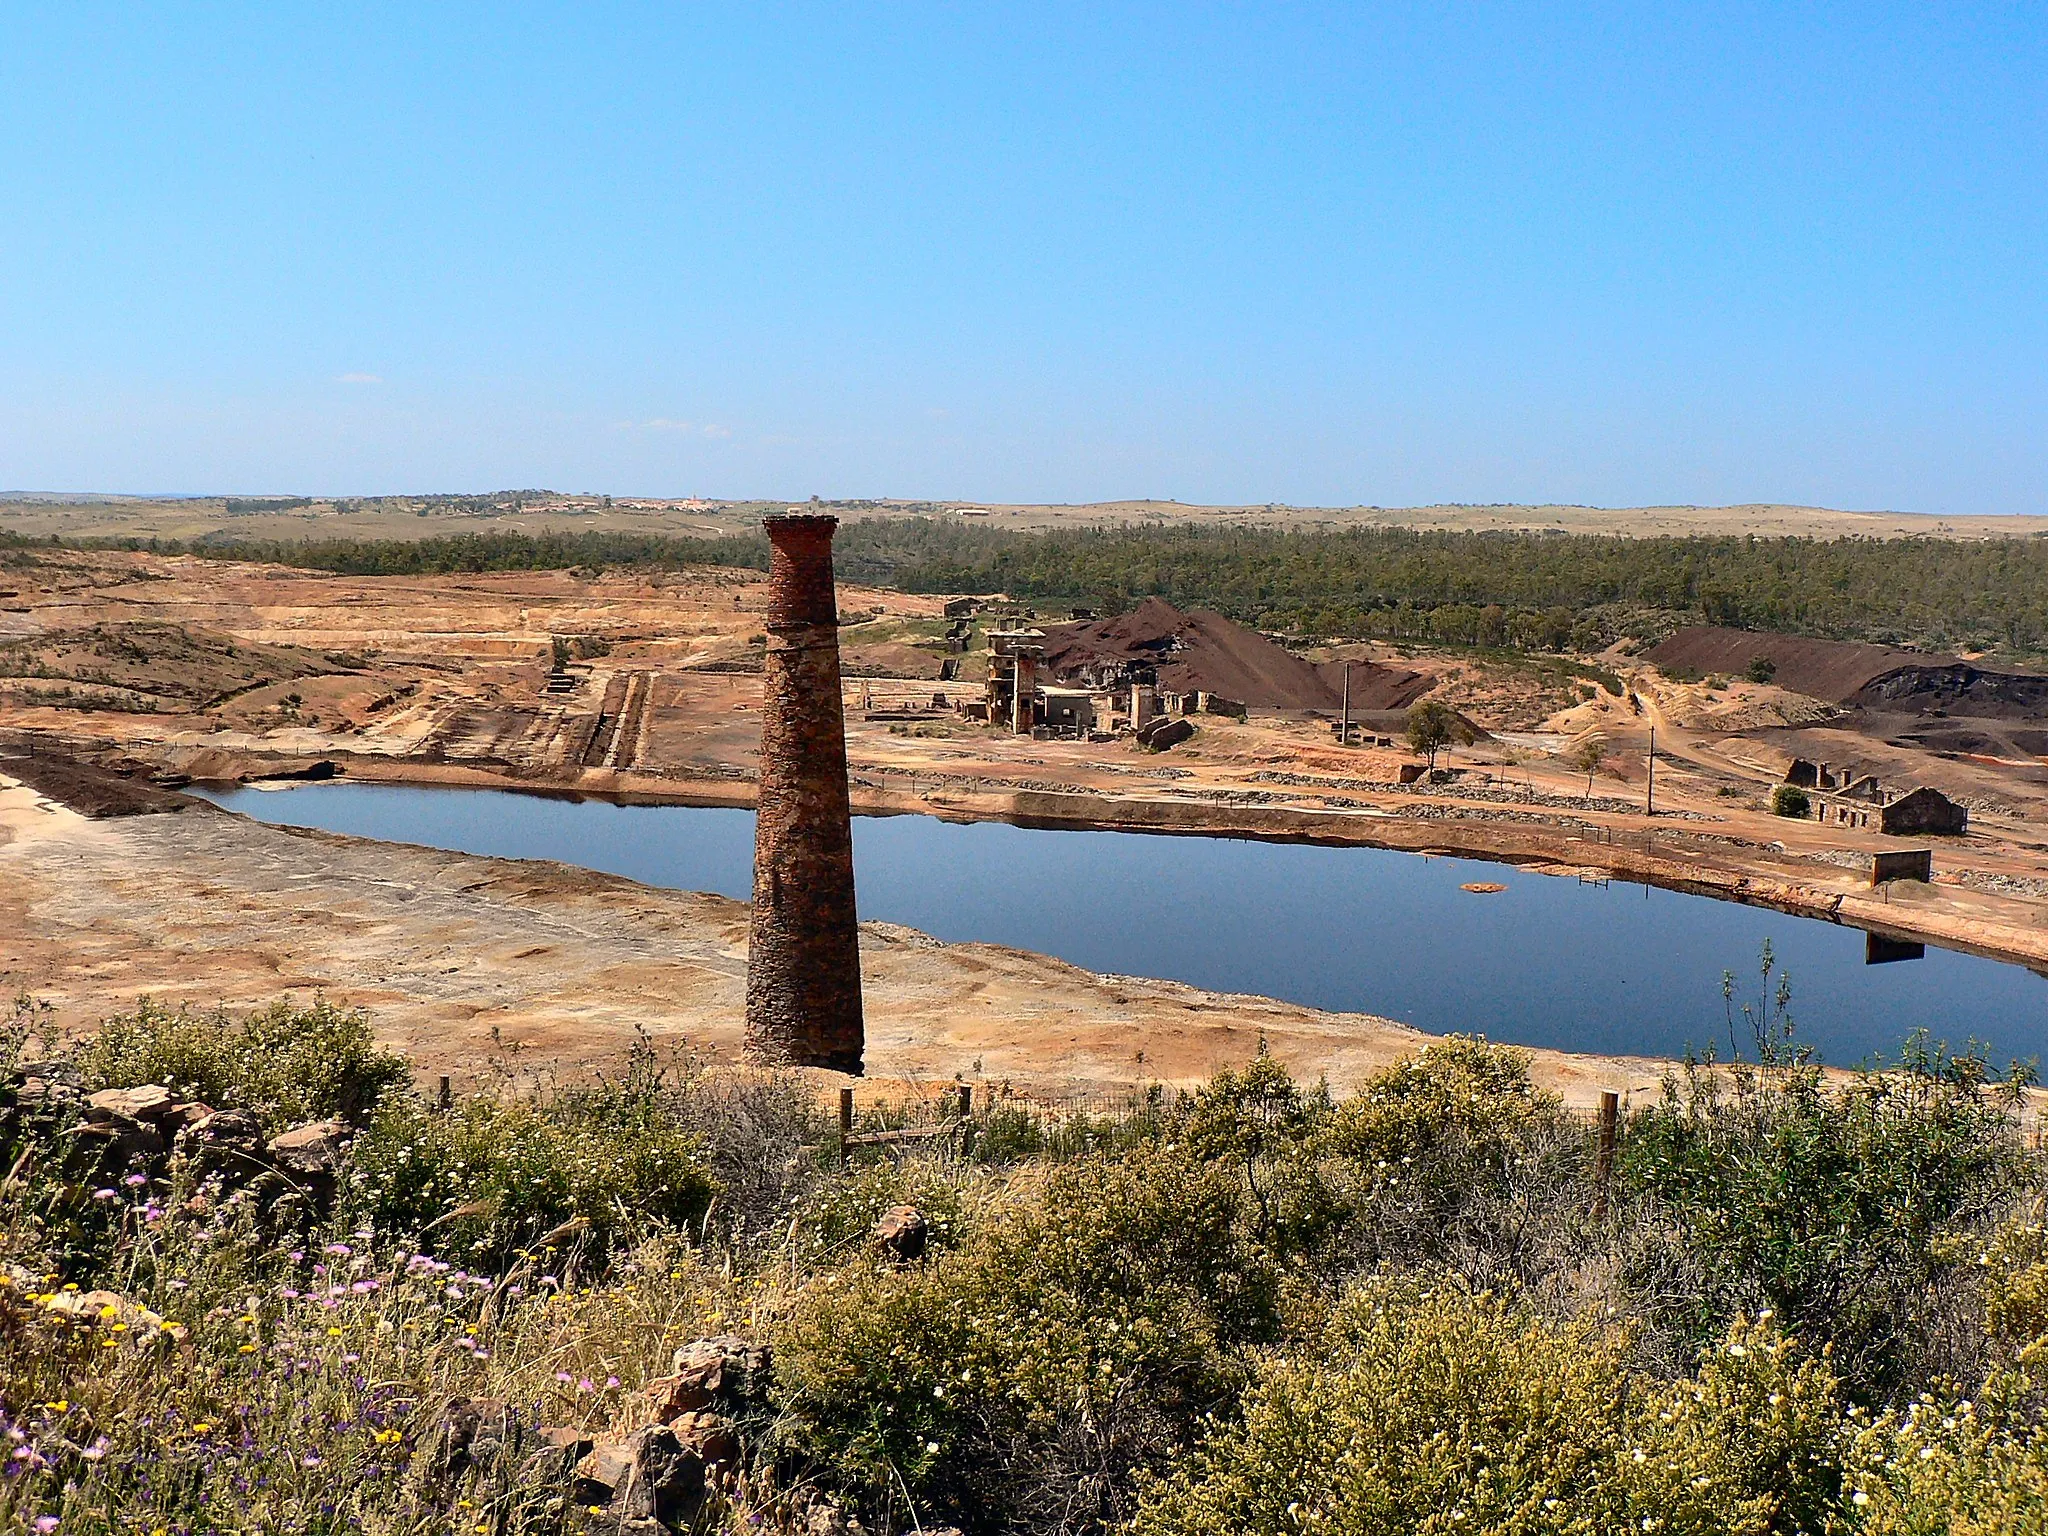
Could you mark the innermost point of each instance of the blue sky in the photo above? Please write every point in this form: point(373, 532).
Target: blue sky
point(1215, 253)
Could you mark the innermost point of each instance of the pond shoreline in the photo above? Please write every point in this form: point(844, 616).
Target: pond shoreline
point(1672, 860)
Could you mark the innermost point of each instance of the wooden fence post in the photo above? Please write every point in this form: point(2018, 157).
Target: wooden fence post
point(1603, 1166)
point(444, 1093)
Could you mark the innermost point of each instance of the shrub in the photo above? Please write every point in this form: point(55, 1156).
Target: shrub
point(757, 1132)
point(285, 1064)
point(1790, 800)
point(1461, 1086)
point(490, 1178)
point(1947, 1467)
point(1761, 669)
point(1439, 1411)
point(2015, 1265)
point(1450, 1157)
point(1078, 1332)
point(1831, 1205)
point(1259, 1122)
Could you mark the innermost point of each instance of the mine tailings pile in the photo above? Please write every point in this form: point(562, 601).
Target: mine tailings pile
point(1888, 690)
point(1200, 651)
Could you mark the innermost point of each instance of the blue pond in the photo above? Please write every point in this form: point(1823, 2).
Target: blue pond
point(1548, 961)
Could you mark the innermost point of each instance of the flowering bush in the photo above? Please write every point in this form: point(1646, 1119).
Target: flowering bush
point(316, 1402)
point(1255, 1307)
point(1830, 1204)
point(1944, 1466)
point(1437, 1411)
point(1085, 1321)
point(488, 1178)
point(285, 1064)
point(1459, 1087)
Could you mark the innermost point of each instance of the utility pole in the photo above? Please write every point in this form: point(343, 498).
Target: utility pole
point(1345, 735)
point(1650, 786)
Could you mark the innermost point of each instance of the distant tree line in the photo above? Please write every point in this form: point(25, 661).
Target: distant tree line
point(1534, 591)
point(475, 553)
point(249, 506)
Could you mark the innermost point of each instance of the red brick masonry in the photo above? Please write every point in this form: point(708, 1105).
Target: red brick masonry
point(803, 966)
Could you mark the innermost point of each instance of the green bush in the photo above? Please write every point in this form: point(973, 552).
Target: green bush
point(1440, 1411)
point(1460, 1086)
point(1790, 800)
point(285, 1064)
point(1443, 1158)
point(1079, 1331)
point(1945, 1467)
point(489, 1178)
point(1452, 1159)
point(1259, 1122)
point(1833, 1205)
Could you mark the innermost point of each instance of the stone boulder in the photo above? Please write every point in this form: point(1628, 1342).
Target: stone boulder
point(123, 1128)
point(723, 1373)
point(106, 1143)
point(902, 1233)
point(228, 1142)
point(46, 1089)
point(151, 1102)
point(662, 1473)
point(311, 1151)
point(556, 1453)
point(89, 1310)
point(709, 1436)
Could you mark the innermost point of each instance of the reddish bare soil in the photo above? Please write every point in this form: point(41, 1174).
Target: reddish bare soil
point(449, 681)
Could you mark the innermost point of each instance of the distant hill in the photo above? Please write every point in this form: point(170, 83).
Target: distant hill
point(78, 515)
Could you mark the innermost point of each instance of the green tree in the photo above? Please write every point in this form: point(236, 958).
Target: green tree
point(1587, 756)
point(1432, 726)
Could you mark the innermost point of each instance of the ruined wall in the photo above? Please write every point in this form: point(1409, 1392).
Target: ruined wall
point(1925, 811)
point(803, 963)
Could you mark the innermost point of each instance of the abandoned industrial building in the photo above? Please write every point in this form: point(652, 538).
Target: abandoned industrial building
point(1136, 671)
point(1846, 799)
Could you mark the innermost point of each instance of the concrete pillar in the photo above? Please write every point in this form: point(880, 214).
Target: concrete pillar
point(1143, 703)
point(1026, 693)
point(803, 962)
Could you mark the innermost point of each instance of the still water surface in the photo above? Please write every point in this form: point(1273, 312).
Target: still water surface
point(1548, 961)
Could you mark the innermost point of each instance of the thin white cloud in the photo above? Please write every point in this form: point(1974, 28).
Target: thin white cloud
point(689, 428)
point(358, 378)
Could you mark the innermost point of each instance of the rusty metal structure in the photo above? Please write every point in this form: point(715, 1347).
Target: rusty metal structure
point(803, 963)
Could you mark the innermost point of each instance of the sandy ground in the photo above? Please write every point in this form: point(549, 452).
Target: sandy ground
point(461, 957)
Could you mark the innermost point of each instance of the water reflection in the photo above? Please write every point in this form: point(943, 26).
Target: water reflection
point(1544, 961)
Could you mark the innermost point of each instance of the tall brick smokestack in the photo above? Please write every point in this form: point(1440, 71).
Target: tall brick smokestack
point(803, 966)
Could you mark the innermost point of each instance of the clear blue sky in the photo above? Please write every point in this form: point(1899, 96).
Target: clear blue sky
point(1044, 252)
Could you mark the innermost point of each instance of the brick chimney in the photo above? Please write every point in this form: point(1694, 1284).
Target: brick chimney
point(803, 960)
